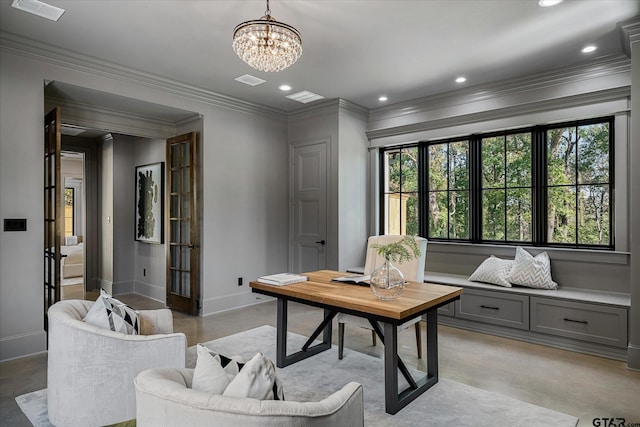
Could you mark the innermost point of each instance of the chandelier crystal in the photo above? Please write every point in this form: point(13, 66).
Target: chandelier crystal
point(266, 44)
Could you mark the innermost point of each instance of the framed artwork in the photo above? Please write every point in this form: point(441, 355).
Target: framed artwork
point(149, 216)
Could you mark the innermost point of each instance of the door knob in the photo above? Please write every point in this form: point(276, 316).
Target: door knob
point(322, 242)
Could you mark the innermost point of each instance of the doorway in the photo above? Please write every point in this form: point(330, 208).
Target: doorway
point(72, 247)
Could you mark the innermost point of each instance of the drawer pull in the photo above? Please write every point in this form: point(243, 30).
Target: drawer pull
point(489, 307)
point(584, 322)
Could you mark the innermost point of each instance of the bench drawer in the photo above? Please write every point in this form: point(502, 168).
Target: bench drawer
point(587, 322)
point(494, 307)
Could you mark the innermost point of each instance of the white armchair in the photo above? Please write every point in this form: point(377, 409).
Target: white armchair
point(411, 270)
point(164, 397)
point(91, 370)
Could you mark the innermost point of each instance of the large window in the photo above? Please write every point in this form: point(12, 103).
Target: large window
point(448, 190)
point(545, 186)
point(506, 187)
point(578, 184)
point(400, 189)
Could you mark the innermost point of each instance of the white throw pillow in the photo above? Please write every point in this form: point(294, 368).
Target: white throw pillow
point(70, 240)
point(530, 271)
point(493, 270)
point(109, 313)
point(209, 376)
point(257, 379)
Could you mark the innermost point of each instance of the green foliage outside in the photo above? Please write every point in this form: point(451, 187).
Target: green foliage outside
point(402, 178)
point(449, 190)
point(506, 183)
point(578, 178)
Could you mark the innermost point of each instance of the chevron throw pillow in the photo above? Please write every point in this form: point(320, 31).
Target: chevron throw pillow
point(530, 271)
point(493, 270)
point(109, 313)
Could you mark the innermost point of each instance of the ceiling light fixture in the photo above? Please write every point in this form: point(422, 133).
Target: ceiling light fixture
point(461, 79)
point(284, 88)
point(383, 99)
point(588, 49)
point(266, 44)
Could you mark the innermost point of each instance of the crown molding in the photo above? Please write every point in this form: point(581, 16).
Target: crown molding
point(358, 110)
point(629, 33)
point(614, 94)
point(605, 67)
point(68, 59)
point(330, 106)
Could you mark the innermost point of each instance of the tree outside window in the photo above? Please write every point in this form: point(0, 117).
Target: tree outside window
point(578, 185)
point(448, 193)
point(506, 188)
point(544, 186)
point(401, 191)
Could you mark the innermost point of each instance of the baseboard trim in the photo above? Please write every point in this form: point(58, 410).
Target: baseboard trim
point(153, 292)
point(122, 288)
point(22, 345)
point(633, 357)
point(231, 302)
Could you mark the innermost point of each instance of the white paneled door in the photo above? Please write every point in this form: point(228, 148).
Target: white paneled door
point(310, 207)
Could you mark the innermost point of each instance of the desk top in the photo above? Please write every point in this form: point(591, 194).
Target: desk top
point(416, 298)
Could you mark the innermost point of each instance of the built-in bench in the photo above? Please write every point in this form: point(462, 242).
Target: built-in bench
point(583, 320)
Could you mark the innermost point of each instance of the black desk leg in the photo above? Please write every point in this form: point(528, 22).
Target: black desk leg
point(281, 330)
point(282, 359)
point(432, 345)
point(394, 400)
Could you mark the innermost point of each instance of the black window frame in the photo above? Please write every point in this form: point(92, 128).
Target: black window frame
point(539, 200)
point(383, 193)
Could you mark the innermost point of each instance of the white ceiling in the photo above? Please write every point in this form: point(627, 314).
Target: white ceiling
point(356, 50)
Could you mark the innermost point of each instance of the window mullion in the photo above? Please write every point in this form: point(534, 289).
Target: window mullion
point(539, 176)
point(423, 190)
point(475, 185)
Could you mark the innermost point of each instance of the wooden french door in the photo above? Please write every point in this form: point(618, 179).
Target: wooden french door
point(52, 210)
point(183, 243)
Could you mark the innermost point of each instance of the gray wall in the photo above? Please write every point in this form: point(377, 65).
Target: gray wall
point(342, 125)
point(244, 190)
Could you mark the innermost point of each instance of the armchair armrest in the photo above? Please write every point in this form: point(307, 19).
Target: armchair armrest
point(154, 322)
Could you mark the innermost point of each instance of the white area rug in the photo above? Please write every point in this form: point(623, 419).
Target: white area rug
point(448, 403)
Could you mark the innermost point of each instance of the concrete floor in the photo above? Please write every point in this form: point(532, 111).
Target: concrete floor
point(584, 386)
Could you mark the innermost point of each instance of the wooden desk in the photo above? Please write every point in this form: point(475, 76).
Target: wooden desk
point(334, 297)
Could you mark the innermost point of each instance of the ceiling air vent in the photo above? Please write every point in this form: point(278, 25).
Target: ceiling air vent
point(305, 96)
point(38, 8)
point(249, 80)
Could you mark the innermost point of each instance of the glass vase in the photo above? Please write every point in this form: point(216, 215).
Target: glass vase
point(387, 282)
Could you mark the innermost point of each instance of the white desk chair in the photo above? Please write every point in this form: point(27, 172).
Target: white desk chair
point(412, 270)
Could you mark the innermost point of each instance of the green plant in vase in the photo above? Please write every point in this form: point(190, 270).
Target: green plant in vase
point(387, 282)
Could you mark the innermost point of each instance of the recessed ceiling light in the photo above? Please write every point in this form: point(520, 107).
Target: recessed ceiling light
point(383, 99)
point(305, 96)
point(588, 49)
point(549, 3)
point(250, 80)
point(461, 79)
point(284, 87)
point(38, 8)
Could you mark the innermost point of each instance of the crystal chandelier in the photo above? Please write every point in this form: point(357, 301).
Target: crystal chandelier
point(266, 44)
